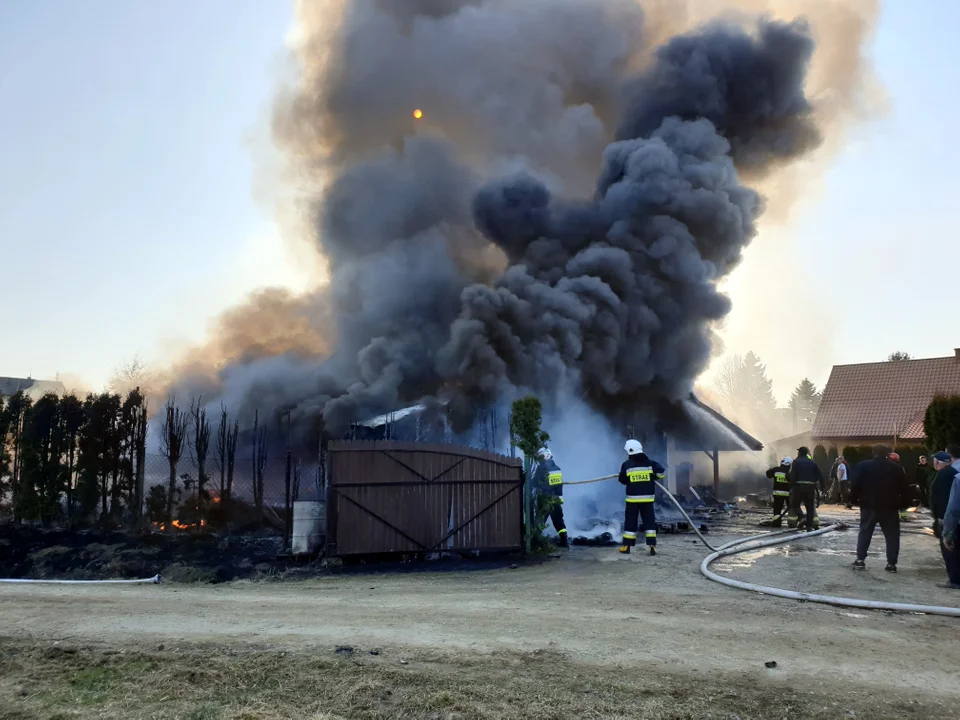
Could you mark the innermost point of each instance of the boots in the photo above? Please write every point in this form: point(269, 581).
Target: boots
point(653, 550)
point(624, 549)
point(563, 542)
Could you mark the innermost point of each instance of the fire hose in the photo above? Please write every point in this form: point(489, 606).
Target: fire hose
point(145, 581)
point(777, 537)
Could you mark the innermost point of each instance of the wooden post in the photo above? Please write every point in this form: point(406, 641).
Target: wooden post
point(528, 505)
point(716, 474)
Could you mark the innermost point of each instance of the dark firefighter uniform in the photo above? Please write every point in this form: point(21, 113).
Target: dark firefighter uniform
point(805, 479)
point(549, 480)
point(781, 490)
point(638, 474)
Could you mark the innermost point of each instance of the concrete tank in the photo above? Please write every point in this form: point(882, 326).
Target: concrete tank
point(309, 527)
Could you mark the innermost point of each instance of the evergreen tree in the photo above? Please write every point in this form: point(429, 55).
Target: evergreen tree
point(941, 423)
point(73, 417)
point(18, 407)
point(41, 475)
point(804, 403)
point(4, 453)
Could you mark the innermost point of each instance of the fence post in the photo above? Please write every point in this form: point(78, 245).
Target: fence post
point(527, 506)
point(286, 516)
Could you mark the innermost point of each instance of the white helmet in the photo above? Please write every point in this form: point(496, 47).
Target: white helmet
point(544, 453)
point(633, 447)
point(787, 461)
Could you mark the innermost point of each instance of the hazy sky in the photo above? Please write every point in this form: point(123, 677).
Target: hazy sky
point(128, 216)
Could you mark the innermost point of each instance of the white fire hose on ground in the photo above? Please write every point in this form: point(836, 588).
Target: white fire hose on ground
point(145, 581)
point(777, 537)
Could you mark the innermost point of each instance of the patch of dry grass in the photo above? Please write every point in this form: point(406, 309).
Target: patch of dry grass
point(199, 682)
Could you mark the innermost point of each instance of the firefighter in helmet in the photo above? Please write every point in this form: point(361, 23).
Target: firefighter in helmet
point(548, 480)
point(637, 474)
point(781, 489)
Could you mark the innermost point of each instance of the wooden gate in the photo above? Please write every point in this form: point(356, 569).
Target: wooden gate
point(395, 497)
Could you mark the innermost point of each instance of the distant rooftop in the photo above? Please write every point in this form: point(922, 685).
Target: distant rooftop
point(883, 399)
point(34, 388)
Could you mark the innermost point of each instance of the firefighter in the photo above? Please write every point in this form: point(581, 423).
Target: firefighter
point(781, 489)
point(806, 481)
point(549, 481)
point(637, 474)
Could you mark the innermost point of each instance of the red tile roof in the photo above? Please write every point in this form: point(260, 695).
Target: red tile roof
point(876, 400)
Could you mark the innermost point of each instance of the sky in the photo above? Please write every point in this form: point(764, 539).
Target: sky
point(133, 211)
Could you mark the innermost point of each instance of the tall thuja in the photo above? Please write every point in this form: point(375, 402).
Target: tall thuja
point(18, 406)
point(73, 418)
point(41, 479)
point(133, 438)
point(4, 454)
point(100, 446)
point(526, 416)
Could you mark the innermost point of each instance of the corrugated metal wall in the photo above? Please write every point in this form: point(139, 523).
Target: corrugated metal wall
point(397, 497)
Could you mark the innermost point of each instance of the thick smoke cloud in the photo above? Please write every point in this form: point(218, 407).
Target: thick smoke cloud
point(559, 218)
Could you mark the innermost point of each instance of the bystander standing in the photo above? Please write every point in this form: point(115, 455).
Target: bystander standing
point(939, 498)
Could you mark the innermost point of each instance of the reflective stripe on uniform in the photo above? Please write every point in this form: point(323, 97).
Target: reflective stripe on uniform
point(805, 482)
point(640, 474)
point(651, 533)
point(629, 535)
point(660, 476)
point(562, 531)
point(781, 493)
point(555, 478)
point(640, 498)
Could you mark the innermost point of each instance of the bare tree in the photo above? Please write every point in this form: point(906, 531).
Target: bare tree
point(173, 436)
point(728, 382)
point(127, 376)
point(201, 446)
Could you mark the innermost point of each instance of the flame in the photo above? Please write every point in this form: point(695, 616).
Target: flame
point(180, 526)
point(418, 113)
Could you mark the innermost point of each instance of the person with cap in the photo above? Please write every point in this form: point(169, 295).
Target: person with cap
point(922, 477)
point(781, 490)
point(638, 473)
point(548, 480)
point(880, 488)
point(951, 517)
point(806, 481)
point(938, 499)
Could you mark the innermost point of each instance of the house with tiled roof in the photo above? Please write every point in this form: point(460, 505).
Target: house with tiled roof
point(882, 402)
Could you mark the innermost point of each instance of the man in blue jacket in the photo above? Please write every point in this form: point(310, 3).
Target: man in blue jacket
point(939, 498)
point(951, 518)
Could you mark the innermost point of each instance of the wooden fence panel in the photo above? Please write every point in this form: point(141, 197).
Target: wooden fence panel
point(393, 497)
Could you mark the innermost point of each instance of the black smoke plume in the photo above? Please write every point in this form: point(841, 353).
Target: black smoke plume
point(559, 218)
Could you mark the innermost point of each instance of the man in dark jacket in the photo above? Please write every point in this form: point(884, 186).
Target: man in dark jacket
point(880, 488)
point(638, 474)
point(806, 480)
point(781, 489)
point(548, 480)
point(923, 476)
point(939, 497)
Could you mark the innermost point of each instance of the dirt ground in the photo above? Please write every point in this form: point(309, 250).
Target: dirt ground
point(588, 634)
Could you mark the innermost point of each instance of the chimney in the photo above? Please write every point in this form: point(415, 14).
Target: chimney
point(956, 352)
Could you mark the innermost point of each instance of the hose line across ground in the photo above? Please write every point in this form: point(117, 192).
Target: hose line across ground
point(777, 537)
point(145, 581)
